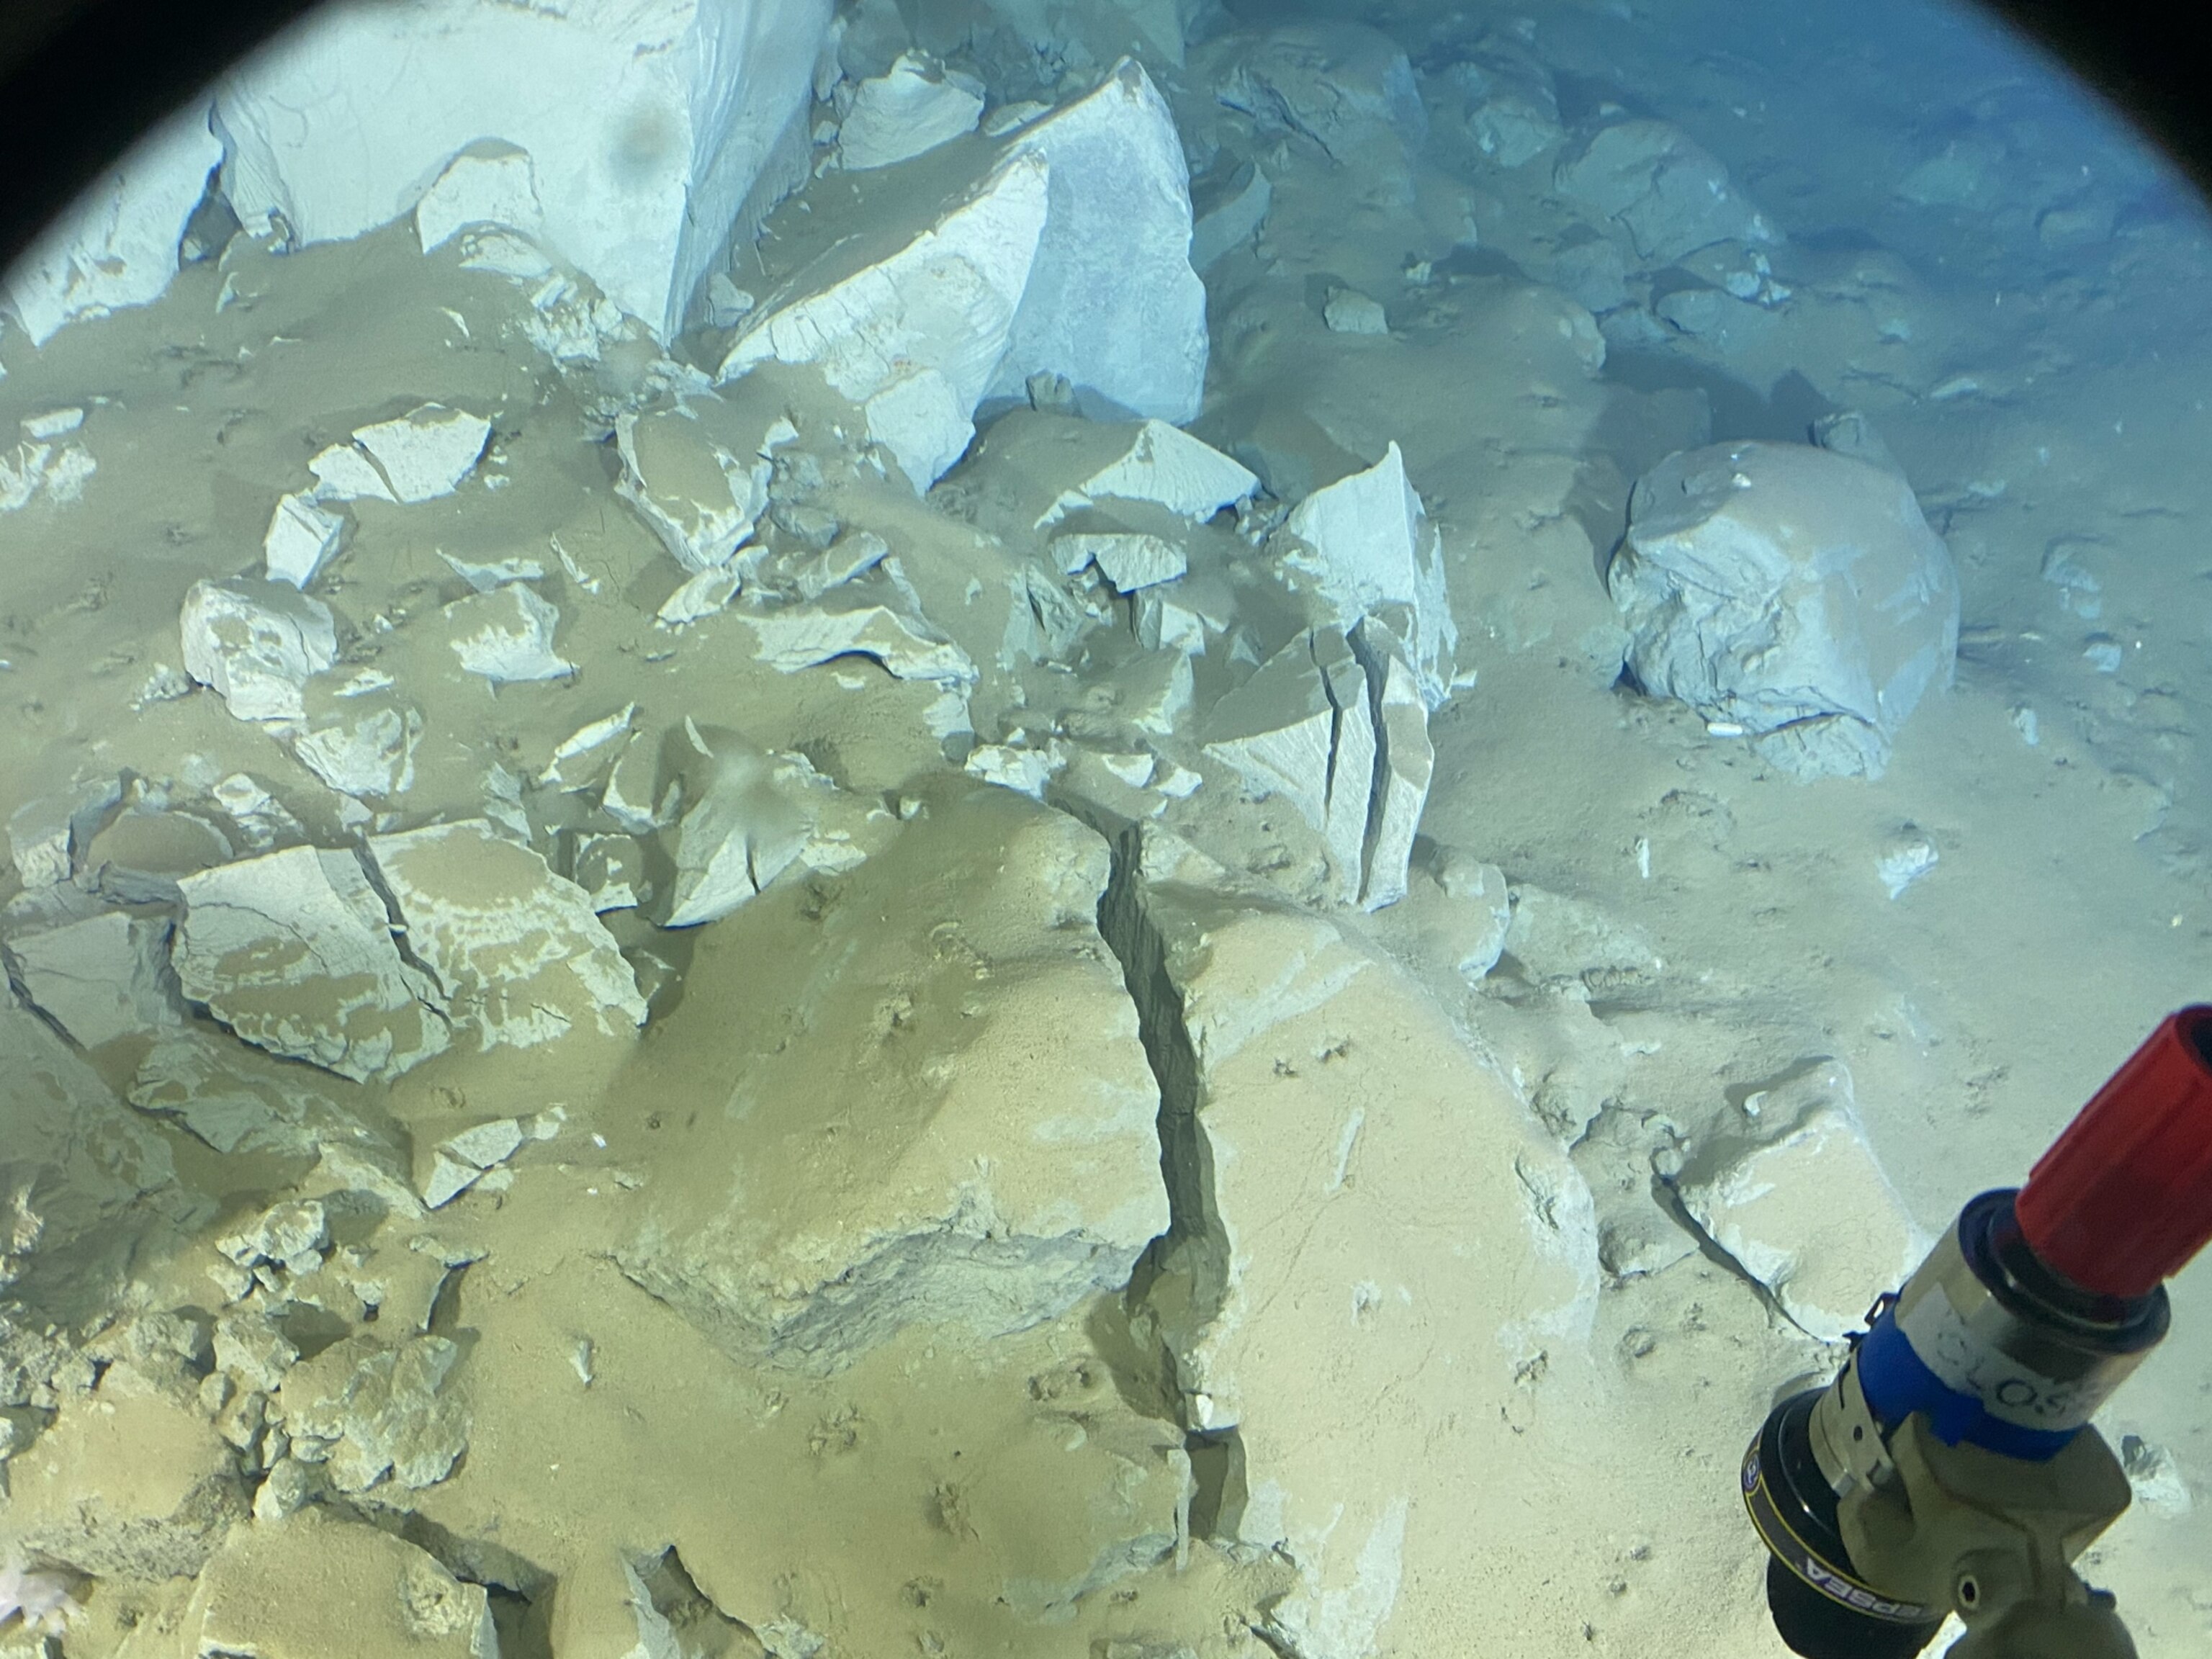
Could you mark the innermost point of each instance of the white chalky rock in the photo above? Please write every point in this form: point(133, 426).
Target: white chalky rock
point(507, 635)
point(375, 1414)
point(1798, 1199)
point(1669, 192)
point(1792, 591)
point(1112, 304)
point(425, 452)
point(1151, 461)
point(646, 125)
point(907, 647)
point(300, 540)
point(117, 245)
point(490, 184)
point(519, 952)
point(1350, 312)
point(1025, 771)
point(1278, 730)
point(699, 493)
point(753, 816)
point(460, 1161)
point(851, 555)
point(1128, 560)
point(1353, 746)
point(916, 336)
point(37, 470)
point(1368, 547)
point(293, 950)
point(1405, 762)
point(368, 752)
point(703, 595)
point(104, 977)
point(256, 644)
point(914, 107)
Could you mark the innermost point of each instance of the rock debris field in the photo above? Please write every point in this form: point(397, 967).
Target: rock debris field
point(1135, 830)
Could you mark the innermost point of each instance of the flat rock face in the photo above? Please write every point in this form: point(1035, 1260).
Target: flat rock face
point(999, 1160)
point(104, 977)
point(1796, 1195)
point(1789, 589)
point(912, 107)
point(375, 1596)
point(1112, 305)
point(916, 336)
point(646, 125)
point(294, 952)
point(256, 644)
point(519, 952)
point(1335, 1107)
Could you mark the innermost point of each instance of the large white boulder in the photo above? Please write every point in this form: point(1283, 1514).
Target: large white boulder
point(1112, 305)
point(117, 244)
point(646, 123)
point(1791, 592)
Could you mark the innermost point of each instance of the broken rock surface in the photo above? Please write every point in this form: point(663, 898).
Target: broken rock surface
point(518, 953)
point(256, 644)
point(1002, 1162)
point(294, 952)
point(1789, 589)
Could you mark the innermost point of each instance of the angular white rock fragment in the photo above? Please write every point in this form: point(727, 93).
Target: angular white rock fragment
point(1166, 466)
point(262, 819)
point(611, 869)
point(300, 540)
point(46, 836)
point(1484, 912)
point(914, 107)
point(1350, 312)
point(1112, 304)
point(851, 555)
point(291, 1236)
point(1406, 761)
point(425, 452)
point(915, 337)
point(646, 125)
point(1163, 625)
point(1368, 548)
point(257, 645)
point(1351, 762)
point(293, 950)
point(1135, 770)
point(703, 595)
point(754, 816)
point(37, 469)
point(699, 496)
point(634, 798)
point(1026, 771)
point(517, 951)
point(1670, 194)
point(796, 639)
point(54, 423)
point(495, 573)
point(507, 635)
point(344, 473)
point(449, 1177)
point(117, 244)
point(487, 183)
point(104, 977)
point(1797, 1197)
point(1791, 591)
point(363, 747)
point(375, 1414)
point(1128, 560)
point(1278, 730)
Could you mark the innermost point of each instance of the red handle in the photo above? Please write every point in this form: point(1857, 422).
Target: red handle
point(2124, 1197)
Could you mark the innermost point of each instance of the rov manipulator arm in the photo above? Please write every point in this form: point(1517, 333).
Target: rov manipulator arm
point(1950, 1467)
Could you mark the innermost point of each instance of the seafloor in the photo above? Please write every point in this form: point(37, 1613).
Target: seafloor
point(1053, 1216)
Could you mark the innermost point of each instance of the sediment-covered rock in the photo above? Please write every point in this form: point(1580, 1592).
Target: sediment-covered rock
point(373, 1413)
point(695, 475)
point(518, 953)
point(1670, 194)
point(104, 977)
point(912, 106)
point(507, 635)
point(293, 950)
point(1792, 591)
point(1001, 1161)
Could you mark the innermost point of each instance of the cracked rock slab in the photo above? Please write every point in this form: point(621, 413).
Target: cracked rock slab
point(519, 954)
point(294, 952)
point(1001, 1161)
point(256, 644)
